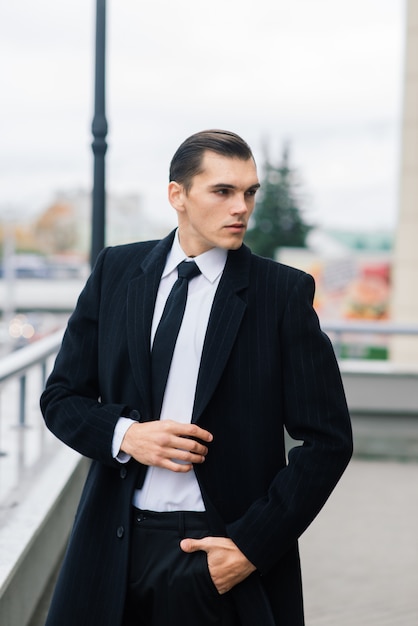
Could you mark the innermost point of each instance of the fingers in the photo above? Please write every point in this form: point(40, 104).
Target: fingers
point(193, 545)
point(167, 444)
point(227, 565)
point(190, 430)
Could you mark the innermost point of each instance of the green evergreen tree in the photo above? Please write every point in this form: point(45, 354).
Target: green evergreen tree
point(277, 221)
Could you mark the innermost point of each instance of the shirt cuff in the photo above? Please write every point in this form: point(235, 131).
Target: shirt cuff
point(121, 427)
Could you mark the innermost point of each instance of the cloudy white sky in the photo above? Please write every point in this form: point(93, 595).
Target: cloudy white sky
point(324, 75)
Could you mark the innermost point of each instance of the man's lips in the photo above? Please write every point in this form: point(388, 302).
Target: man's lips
point(237, 226)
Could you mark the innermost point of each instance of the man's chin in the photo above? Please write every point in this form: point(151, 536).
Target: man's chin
point(235, 243)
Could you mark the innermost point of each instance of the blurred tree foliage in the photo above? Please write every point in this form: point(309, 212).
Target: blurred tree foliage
point(277, 220)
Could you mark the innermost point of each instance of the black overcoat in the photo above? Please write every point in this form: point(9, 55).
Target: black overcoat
point(266, 366)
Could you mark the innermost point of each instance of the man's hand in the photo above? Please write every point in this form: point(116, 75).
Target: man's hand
point(228, 566)
point(166, 444)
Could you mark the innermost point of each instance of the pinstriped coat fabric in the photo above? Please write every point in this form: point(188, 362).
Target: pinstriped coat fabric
point(266, 366)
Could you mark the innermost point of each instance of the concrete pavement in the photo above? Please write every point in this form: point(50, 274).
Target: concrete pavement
point(360, 556)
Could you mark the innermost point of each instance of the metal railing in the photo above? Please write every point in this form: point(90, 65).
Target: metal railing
point(375, 328)
point(17, 365)
point(24, 440)
point(338, 329)
point(15, 368)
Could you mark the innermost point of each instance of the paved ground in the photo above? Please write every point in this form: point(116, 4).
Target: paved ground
point(360, 556)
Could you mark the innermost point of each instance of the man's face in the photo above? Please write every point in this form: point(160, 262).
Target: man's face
point(216, 209)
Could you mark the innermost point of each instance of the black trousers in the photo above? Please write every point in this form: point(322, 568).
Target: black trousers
point(168, 587)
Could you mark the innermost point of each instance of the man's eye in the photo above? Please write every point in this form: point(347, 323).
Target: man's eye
point(222, 192)
point(251, 192)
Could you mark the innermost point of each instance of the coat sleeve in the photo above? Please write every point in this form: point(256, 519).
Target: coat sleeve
point(71, 403)
point(315, 413)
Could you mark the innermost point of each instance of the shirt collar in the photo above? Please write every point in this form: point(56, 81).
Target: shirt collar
point(210, 263)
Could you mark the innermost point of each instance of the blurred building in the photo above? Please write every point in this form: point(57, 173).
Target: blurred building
point(65, 226)
point(405, 264)
point(352, 272)
point(56, 243)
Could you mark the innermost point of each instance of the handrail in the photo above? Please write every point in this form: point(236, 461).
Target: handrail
point(17, 364)
point(376, 328)
point(20, 361)
point(336, 330)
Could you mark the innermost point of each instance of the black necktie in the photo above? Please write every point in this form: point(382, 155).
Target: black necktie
point(167, 331)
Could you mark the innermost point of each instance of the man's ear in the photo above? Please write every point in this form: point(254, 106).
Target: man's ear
point(176, 195)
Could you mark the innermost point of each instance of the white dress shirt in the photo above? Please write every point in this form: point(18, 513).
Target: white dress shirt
point(164, 490)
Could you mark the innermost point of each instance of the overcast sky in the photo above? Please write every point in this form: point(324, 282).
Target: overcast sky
point(324, 75)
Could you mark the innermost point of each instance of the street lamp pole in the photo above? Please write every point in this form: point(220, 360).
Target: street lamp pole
point(99, 130)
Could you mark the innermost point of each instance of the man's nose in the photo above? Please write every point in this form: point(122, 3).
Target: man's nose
point(240, 206)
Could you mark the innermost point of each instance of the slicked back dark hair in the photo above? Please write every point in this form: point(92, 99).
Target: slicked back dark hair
point(187, 161)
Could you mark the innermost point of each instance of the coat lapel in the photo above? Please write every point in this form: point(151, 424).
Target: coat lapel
point(228, 308)
point(226, 315)
point(142, 292)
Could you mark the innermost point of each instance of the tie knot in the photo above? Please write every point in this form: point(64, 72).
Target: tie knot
point(188, 269)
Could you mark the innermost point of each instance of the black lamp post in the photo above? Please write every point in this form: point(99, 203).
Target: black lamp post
point(99, 130)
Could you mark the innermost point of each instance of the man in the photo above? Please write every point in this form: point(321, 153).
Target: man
point(190, 514)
